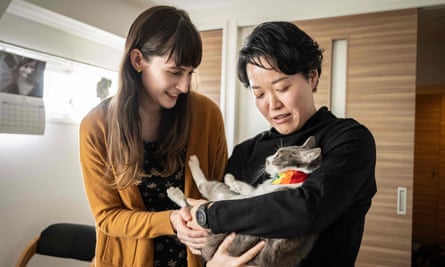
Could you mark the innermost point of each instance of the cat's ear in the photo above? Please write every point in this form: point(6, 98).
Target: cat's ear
point(310, 142)
point(311, 155)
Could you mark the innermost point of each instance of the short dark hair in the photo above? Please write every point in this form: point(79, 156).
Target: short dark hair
point(284, 46)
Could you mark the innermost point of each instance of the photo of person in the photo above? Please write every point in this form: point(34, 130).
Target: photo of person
point(21, 75)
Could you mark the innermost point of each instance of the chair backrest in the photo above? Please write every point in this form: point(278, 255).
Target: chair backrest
point(63, 240)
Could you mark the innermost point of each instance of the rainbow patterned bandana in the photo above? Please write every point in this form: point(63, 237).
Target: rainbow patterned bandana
point(289, 177)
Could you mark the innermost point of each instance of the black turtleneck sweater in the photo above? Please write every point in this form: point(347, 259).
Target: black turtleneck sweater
point(331, 203)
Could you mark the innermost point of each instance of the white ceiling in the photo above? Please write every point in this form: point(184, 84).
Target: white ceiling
point(193, 4)
point(432, 19)
point(115, 16)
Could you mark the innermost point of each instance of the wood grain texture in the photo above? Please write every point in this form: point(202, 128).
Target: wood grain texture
point(441, 181)
point(380, 93)
point(429, 166)
point(209, 72)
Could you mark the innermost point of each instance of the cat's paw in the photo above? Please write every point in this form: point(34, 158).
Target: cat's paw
point(237, 186)
point(193, 162)
point(230, 181)
point(177, 196)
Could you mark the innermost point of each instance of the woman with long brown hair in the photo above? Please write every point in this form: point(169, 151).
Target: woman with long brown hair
point(133, 146)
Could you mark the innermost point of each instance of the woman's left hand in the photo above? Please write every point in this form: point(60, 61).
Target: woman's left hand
point(195, 203)
point(194, 239)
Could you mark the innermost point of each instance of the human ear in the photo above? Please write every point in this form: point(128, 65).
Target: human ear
point(136, 59)
point(313, 79)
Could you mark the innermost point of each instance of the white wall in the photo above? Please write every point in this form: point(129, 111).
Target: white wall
point(21, 26)
point(40, 177)
point(248, 120)
point(41, 183)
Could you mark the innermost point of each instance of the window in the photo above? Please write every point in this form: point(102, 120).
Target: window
point(70, 92)
point(70, 88)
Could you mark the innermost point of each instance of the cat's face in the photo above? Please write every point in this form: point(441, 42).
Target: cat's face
point(305, 158)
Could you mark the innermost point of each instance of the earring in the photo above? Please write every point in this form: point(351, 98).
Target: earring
point(139, 70)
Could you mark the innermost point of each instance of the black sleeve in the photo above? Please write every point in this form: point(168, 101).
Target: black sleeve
point(345, 176)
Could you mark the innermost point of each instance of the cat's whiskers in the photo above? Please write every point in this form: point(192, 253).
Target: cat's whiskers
point(281, 144)
point(261, 172)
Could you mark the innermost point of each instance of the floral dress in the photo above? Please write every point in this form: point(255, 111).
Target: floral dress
point(169, 252)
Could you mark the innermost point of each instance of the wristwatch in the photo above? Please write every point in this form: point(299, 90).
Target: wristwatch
point(201, 215)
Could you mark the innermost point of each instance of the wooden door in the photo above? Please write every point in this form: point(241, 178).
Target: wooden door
point(429, 170)
point(380, 93)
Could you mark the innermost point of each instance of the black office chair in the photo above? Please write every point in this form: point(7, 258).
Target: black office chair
point(63, 240)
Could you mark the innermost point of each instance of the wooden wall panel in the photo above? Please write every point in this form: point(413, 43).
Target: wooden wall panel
point(441, 181)
point(426, 168)
point(209, 72)
point(429, 167)
point(381, 94)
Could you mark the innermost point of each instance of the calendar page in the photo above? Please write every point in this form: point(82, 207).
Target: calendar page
point(21, 114)
point(21, 89)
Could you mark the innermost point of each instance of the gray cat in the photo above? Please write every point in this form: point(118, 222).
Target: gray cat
point(288, 163)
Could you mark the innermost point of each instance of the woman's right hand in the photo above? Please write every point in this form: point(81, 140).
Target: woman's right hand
point(194, 239)
point(222, 257)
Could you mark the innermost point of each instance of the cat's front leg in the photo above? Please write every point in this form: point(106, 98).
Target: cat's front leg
point(238, 186)
point(197, 174)
point(177, 196)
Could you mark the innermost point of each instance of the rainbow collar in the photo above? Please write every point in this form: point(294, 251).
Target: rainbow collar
point(289, 177)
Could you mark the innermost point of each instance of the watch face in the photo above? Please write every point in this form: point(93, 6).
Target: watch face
point(201, 217)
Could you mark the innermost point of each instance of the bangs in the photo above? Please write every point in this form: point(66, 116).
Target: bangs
point(186, 46)
point(263, 61)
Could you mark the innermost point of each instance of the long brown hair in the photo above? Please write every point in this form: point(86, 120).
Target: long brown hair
point(158, 31)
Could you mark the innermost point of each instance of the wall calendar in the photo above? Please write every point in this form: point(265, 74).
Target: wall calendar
point(22, 110)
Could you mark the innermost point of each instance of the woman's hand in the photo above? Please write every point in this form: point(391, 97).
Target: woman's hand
point(194, 204)
point(194, 239)
point(222, 257)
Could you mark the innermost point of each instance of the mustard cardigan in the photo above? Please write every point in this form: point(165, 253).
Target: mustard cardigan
point(124, 228)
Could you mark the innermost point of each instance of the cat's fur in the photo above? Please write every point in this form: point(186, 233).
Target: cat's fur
point(277, 252)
